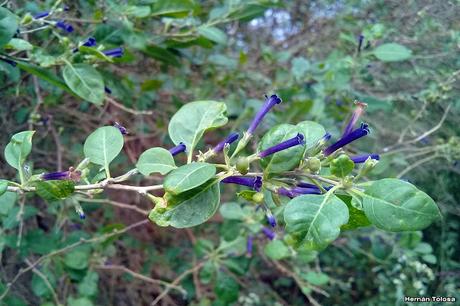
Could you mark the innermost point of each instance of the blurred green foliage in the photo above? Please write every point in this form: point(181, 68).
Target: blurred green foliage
point(234, 51)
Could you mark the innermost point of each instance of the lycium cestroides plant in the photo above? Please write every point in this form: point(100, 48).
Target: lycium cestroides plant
point(298, 177)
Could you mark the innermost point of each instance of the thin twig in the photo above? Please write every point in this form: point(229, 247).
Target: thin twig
point(67, 248)
point(176, 282)
point(127, 109)
point(418, 163)
point(115, 203)
point(434, 129)
point(46, 281)
point(142, 277)
point(20, 219)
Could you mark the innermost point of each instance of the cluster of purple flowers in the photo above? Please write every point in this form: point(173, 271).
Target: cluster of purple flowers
point(349, 135)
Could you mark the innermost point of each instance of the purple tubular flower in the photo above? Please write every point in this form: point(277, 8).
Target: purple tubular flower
point(297, 140)
point(121, 128)
point(65, 26)
point(53, 176)
point(249, 245)
point(268, 233)
point(360, 107)
point(271, 219)
point(90, 42)
point(360, 42)
point(306, 185)
point(326, 137)
point(12, 63)
point(41, 15)
point(230, 139)
point(178, 149)
point(362, 158)
point(82, 215)
point(107, 90)
point(255, 182)
point(363, 130)
point(117, 52)
point(297, 191)
point(269, 103)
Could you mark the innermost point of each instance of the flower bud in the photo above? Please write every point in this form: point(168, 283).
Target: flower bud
point(27, 19)
point(313, 164)
point(242, 165)
point(258, 197)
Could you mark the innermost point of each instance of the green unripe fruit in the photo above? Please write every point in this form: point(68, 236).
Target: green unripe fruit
point(258, 197)
point(27, 19)
point(314, 164)
point(242, 165)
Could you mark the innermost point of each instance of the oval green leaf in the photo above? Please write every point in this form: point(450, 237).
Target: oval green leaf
point(103, 145)
point(285, 160)
point(392, 52)
point(85, 81)
point(214, 34)
point(3, 186)
point(156, 160)
point(342, 166)
point(190, 208)
point(193, 119)
point(312, 131)
point(314, 221)
point(17, 150)
point(8, 25)
point(55, 190)
point(276, 250)
point(188, 177)
point(395, 205)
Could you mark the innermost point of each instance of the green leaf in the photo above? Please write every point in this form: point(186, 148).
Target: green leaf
point(276, 250)
point(93, 51)
point(342, 166)
point(232, 211)
point(189, 208)
point(3, 186)
point(172, 8)
point(193, 119)
point(55, 190)
point(247, 12)
point(8, 25)
point(140, 11)
point(316, 279)
point(17, 150)
point(312, 131)
point(19, 45)
point(79, 301)
point(188, 177)
point(45, 75)
point(285, 160)
point(392, 52)
point(300, 66)
point(103, 145)
point(214, 34)
point(85, 81)
point(395, 205)
point(38, 285)
point(226, 288)
point(429, 258)
point(163, 55)
point(315, 220)
point(89, 284)
point(77, 259)
point(7, 201)
point(155, 160)
point(357, 218)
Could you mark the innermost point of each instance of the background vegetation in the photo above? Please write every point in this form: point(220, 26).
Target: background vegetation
point(232, 51)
